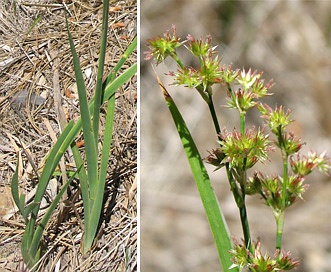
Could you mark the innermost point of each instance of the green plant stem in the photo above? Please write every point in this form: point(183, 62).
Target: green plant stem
point(280, 226)
point(230, 90)
point(204, 95)
point(285, 180)
point(280, 214)
point(245, 226)
point(177, 59)
point(242, 122)
point(214, 116)
point(239, 198)
point(233, 186)
point(242, 209)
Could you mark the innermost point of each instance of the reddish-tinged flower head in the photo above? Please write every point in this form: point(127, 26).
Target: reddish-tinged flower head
point(241, 100)
point(215, 158)
point(276, 119)
point(229, 75)
point(251, 88)
point(290, 143)
point(187, 76)
point(247, 79)
point(244, 150)
point(207, 75)
point(271, 190)
point(303, 165)
point(199, 47)
point(259, 262)
point(259, 89)
point(162, 47)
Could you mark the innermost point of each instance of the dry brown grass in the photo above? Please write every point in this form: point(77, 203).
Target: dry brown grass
point(37, 59)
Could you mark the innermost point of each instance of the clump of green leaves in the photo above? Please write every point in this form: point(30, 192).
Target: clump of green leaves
point(242, 148)
point(93, 178)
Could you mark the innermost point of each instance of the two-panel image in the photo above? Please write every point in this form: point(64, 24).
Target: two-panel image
point(165, 136)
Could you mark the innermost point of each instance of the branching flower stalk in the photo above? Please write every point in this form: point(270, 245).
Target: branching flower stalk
point(240, 151)
point(279, 216)
point(209, 73)
point(203, 79)
point(191, 77)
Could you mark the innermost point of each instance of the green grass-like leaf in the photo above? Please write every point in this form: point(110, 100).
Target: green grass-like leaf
point(41, 226)
point(93, 180)
point(213, 212)
point(89, 134)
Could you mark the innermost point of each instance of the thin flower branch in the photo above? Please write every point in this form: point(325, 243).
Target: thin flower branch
point(241, 150)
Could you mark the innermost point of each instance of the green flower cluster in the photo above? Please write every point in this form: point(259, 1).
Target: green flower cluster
point(211, 71)
point(163, 47)
point(271, 187)
point(258, 262)
point(252, 87)
point(241, 149)
point(244, 150)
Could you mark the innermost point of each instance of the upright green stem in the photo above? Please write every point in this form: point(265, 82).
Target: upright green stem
point(230, 89)
point(242, 122)
point(234, 187)
point(177, 59)
point(285, 180)
point(280, 226)
point(213, 115)
point(242, 209)
point(245, 225)
point(281, 214)
point(239, 198)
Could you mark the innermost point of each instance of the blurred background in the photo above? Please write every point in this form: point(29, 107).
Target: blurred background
point(290, 42)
